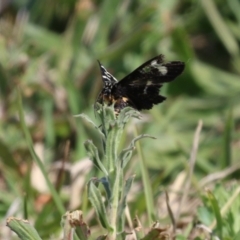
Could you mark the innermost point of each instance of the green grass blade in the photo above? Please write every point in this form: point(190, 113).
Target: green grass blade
point(217, 213)
point(227, 141)
point(146, 181)
point(123, 203)
point(53, 191)
point(220, 27)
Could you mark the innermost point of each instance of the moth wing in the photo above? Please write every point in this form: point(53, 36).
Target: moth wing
point(141, 87)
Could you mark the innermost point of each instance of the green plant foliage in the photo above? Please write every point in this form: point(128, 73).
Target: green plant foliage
point(112, 166)
point(48, 53)
point(220, 210)
point(23, 229)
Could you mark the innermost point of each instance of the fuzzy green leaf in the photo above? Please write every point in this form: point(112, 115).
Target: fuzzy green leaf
point(107, 117)
point(95, 198)
point(107, 187)
point(94, 156)
point(126, 153)
point(113, 139)
point(126, 114)
point(23, 229)
point(86, 118)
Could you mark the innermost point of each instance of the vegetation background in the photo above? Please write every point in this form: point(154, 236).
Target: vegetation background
point(48, 51)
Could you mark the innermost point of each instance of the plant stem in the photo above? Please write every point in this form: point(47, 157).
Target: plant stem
point(115, 200)
point(146, 183)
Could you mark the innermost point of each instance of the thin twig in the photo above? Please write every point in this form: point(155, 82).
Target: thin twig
point(170, 213)
point(218, 175)
point(192, 162)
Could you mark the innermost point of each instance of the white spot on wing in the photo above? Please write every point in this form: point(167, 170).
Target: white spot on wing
point(149, 83)
point(154, 63)
point(162, 69)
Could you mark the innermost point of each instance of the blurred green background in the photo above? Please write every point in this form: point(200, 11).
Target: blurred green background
point(48, 51)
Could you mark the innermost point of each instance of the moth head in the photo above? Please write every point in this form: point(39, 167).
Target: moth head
point(108, 79)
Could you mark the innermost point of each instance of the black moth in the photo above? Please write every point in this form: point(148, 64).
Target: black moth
point(139, 89)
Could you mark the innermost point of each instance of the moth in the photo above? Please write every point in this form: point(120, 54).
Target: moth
point(139, 89)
